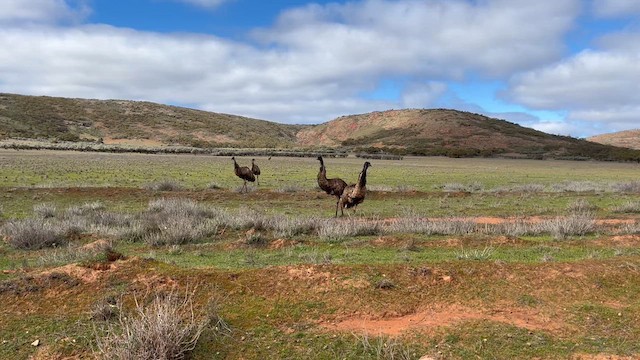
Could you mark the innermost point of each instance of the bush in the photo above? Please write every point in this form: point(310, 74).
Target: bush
point(32, 234)
point(573, 225)
point(166, 328)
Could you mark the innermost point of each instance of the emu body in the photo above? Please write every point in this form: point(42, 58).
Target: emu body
point(333, 187)
point(354, 195)
point(243, 173)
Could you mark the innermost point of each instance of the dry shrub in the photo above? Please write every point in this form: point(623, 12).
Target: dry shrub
point(173, 222)
point(629, 187)
point(165, 328)
point(341, 229)
point(45, 211)
point(573, 225)
point(33, 234)
point(630, 207)
point(581, 206)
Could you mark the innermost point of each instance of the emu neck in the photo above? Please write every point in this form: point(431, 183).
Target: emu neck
point(322, 174)
point(362, 179)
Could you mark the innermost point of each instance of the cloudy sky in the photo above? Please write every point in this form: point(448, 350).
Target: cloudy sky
point(561, 66)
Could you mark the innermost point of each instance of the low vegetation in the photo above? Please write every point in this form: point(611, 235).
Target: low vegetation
point(445, 259)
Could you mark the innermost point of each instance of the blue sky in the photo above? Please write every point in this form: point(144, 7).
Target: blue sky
point(564, 66)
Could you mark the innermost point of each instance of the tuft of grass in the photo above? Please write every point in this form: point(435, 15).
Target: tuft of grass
point(630, 207)
point(628, 187)
point(581, 206)
point(106, 309)
point(215, 186)
point(475, 254)
point(45, 211)
point(164, 185)
point(337, 230)
point(384, 348)
point(165, 328)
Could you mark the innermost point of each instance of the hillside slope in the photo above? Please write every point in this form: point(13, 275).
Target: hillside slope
point(134, 122)
point(405, 132)
point(628, 139)
point(452, 133)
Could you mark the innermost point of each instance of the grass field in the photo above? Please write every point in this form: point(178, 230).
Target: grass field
point(445, 259)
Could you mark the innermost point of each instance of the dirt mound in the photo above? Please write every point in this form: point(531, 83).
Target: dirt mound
point(446, 315)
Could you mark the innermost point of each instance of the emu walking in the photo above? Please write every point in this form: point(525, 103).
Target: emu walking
point(255, 170)
point(333, 187)
point(354, 194)
point(243, 173)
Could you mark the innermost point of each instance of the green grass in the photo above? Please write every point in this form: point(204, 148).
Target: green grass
point(274, 299)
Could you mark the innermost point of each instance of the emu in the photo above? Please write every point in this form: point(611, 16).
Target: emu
point(255, 170)
point(243, 173)
point(353, 195)
point(333, 187)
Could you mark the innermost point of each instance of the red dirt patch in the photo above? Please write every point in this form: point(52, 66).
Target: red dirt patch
point(602, 357)
point(428, 320)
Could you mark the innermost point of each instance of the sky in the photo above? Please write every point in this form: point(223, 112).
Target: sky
point(569, 67)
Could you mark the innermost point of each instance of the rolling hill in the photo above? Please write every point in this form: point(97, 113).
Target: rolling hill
point(452, 133)
point(403, 132)
point(628, 139)
point(134, 122)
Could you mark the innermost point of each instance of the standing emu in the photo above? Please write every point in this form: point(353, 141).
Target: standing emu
point(333, 187)
point(354, 194)
point(243, 173)
point(255, 170)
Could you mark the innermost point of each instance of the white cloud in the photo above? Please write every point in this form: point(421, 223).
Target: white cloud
point(310, 67)
point(600, 88)
point(616, 8)
point(40, 11)
point(203, 3)
point(435, 37)
point(422, 95)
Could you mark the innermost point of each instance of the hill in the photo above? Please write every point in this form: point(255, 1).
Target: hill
point(135, 123)
point(402, 132)
point(628, 139)
point(452, 133)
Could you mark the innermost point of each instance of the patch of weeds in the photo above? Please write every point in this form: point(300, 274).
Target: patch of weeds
point(164, 185)
point(475, 254)
point(316, 257)
point(581, 206)
point(45, 211)
point(167, 327)
point(106, 309)
point(385, 348)
point(630, 207)
point(214, 186)
point(384, 284)
point(528, 300)
point(255, 238)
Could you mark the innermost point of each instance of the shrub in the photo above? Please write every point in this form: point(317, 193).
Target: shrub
point(573, 225)
point(45, 211)
point(172, 222)
point(166, 328)
point(630, 187)
point(632, 207)
point(581, 206)
point(31, 234)
point(340, 229)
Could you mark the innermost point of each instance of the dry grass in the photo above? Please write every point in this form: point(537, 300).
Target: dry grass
point(165, 328)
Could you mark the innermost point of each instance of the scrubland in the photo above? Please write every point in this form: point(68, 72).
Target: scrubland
point(122, 256)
